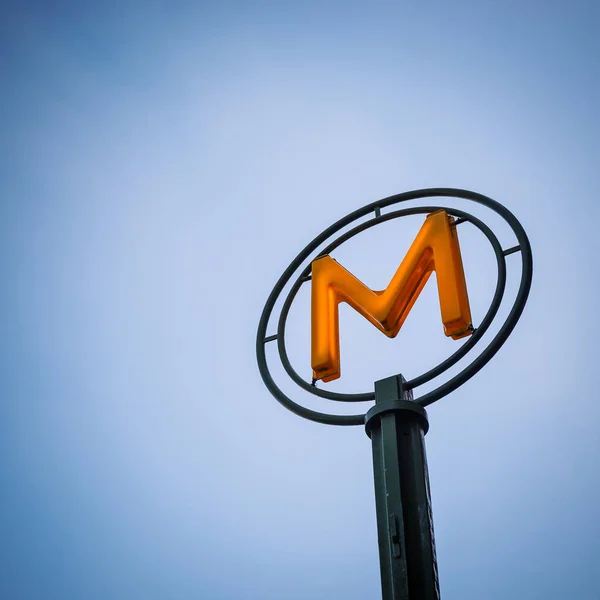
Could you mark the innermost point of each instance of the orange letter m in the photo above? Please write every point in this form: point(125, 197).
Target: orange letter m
point(434, 249)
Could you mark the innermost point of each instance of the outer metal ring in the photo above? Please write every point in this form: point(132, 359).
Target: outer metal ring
point(522, 294)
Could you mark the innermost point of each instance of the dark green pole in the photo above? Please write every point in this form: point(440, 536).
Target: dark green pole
point(397, 428)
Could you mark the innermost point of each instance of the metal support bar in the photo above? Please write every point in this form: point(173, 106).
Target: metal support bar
point(397, 427)
point(511, 250)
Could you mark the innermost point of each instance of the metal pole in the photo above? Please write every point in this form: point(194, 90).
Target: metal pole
point(397, 428)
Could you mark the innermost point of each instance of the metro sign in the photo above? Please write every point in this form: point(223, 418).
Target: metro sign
point(435, 248)
point(397, 421)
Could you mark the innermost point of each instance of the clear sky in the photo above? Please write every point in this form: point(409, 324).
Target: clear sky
point(161, 163)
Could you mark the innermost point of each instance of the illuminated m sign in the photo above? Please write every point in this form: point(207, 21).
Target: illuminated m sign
point(435, 249)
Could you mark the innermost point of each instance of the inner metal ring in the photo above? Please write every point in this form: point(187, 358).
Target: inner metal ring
point(437, 370)
point(516, 311)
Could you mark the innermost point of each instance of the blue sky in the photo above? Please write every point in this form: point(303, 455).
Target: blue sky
point(161, 164)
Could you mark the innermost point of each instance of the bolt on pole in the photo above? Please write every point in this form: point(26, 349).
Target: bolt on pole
point(397, 428)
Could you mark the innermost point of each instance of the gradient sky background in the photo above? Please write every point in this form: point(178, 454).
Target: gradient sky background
point(161, 164)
